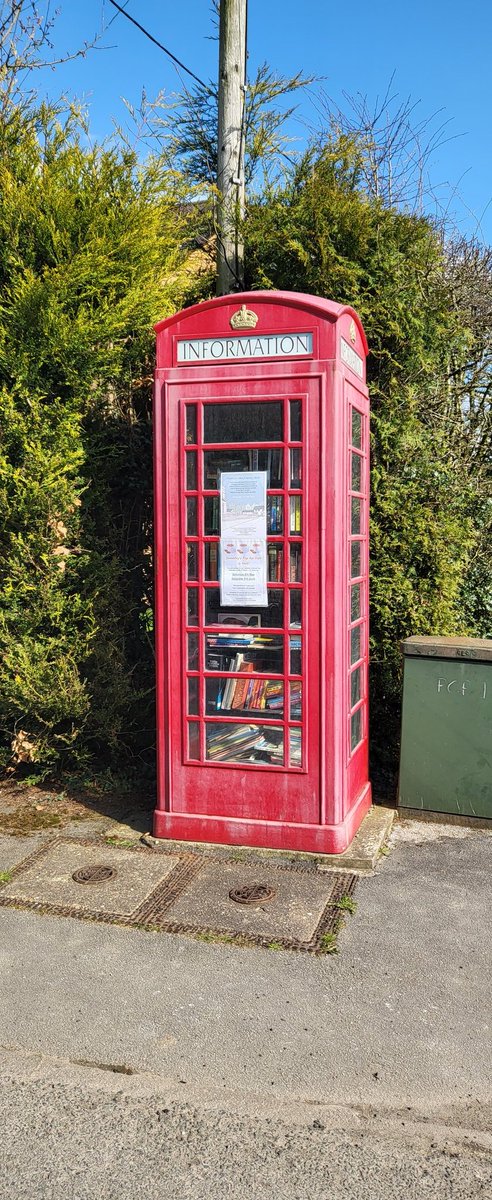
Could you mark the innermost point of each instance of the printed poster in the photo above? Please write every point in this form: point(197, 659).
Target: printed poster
point(243, 547)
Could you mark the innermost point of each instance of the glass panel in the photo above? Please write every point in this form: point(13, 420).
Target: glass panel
point(355, 516)
point(231, 742)
point(295, 655)
point(296, 468)
point(296, 700)
point(233, 422)
point(295, 740)
point(295, 514)
point(215, 461)
point(194, 740)
point(355, 687)
point(193, 695)
point(295, 573)
point(217, 614)
point(193, 652)
point(355, 559)
point(356, 729)
point(295, 420)
point(356, 429)
point(355, 644)
point(190, 424)
point(191, 518)
point(192, 606)
point(296, 607)
point(356, 473)
point(232, 693)
point(275, 563)
point(192, 560)
point(211, 518)
point(191, 471)
point(355, 602)
point(265, 652)
point(275, 514)
point(211, 560)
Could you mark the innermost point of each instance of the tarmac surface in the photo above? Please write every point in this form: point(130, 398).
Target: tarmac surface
point(144, 1064)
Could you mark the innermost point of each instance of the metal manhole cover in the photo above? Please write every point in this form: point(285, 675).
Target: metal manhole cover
point(252, 893)
point(96, 874)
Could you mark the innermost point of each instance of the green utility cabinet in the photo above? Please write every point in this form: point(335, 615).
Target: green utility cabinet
point(446, 745)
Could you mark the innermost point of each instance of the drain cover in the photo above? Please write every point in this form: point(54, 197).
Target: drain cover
point(252, 893)
point(95, 874)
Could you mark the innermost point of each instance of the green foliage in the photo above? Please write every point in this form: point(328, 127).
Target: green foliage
point(87, 239)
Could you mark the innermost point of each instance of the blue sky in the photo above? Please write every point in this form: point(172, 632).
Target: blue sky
point(440, 53)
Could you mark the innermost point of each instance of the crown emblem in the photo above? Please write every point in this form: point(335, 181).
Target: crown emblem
point(244, 318)
point(353, 333)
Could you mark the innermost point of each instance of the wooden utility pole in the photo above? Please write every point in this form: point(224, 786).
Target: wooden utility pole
point(230, 159)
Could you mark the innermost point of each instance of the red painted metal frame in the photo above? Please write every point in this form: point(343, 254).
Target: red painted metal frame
point(318, 805)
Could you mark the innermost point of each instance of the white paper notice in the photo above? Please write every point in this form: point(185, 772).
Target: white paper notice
point(243, 548)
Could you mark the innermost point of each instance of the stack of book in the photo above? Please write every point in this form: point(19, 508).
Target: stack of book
point(295, 700)
point(248, 694)
point(295, 747)
point(274, 514)
point(295, 514)
point(275, 563)
point(227, 743)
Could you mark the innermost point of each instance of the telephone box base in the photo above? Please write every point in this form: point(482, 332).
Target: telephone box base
point(270, 835)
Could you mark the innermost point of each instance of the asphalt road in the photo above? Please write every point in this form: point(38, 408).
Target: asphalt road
point(254, 1072)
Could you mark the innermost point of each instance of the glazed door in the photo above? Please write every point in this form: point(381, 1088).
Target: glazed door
point(244, 682)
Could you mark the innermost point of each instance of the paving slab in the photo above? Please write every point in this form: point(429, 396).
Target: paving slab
point(299, 900)
point(13, 850)
point(49, 879)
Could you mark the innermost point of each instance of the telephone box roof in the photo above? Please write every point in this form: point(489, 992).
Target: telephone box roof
point(295, 300)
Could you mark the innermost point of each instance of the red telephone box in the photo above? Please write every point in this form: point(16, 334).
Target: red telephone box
point(261, 509)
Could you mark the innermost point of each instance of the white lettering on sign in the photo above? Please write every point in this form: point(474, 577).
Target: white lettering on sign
point(275, 345)
point(464, 687)
point(353, 360)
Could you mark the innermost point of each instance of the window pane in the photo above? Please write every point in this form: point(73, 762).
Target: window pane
point(192, 560)
point(356, 473)
point(296, 607)
point(295, 420)
point(194, 740)
point(275, 563)
point(193, 696)
point(295, 570)
point(355, 602)
point(355, 644)
point(296, 468)
point(355, 687)
point(233, 693)
point(296, 700)
point(211, 517)
point(190, 424)
point(355, 515)
point(275, 514)
point(271, 615)
point(192, 606)
point(191, 471)
point(264, 652)
point(355, 559)
point(215, 461)
point(356, 729)
point(356, 429)
point(211, 560)
point(295, 514)
point(230, 742)
point(239, 422)
point(295, 740)
point(191, 519)
point(193, 652)
point(295, 655)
